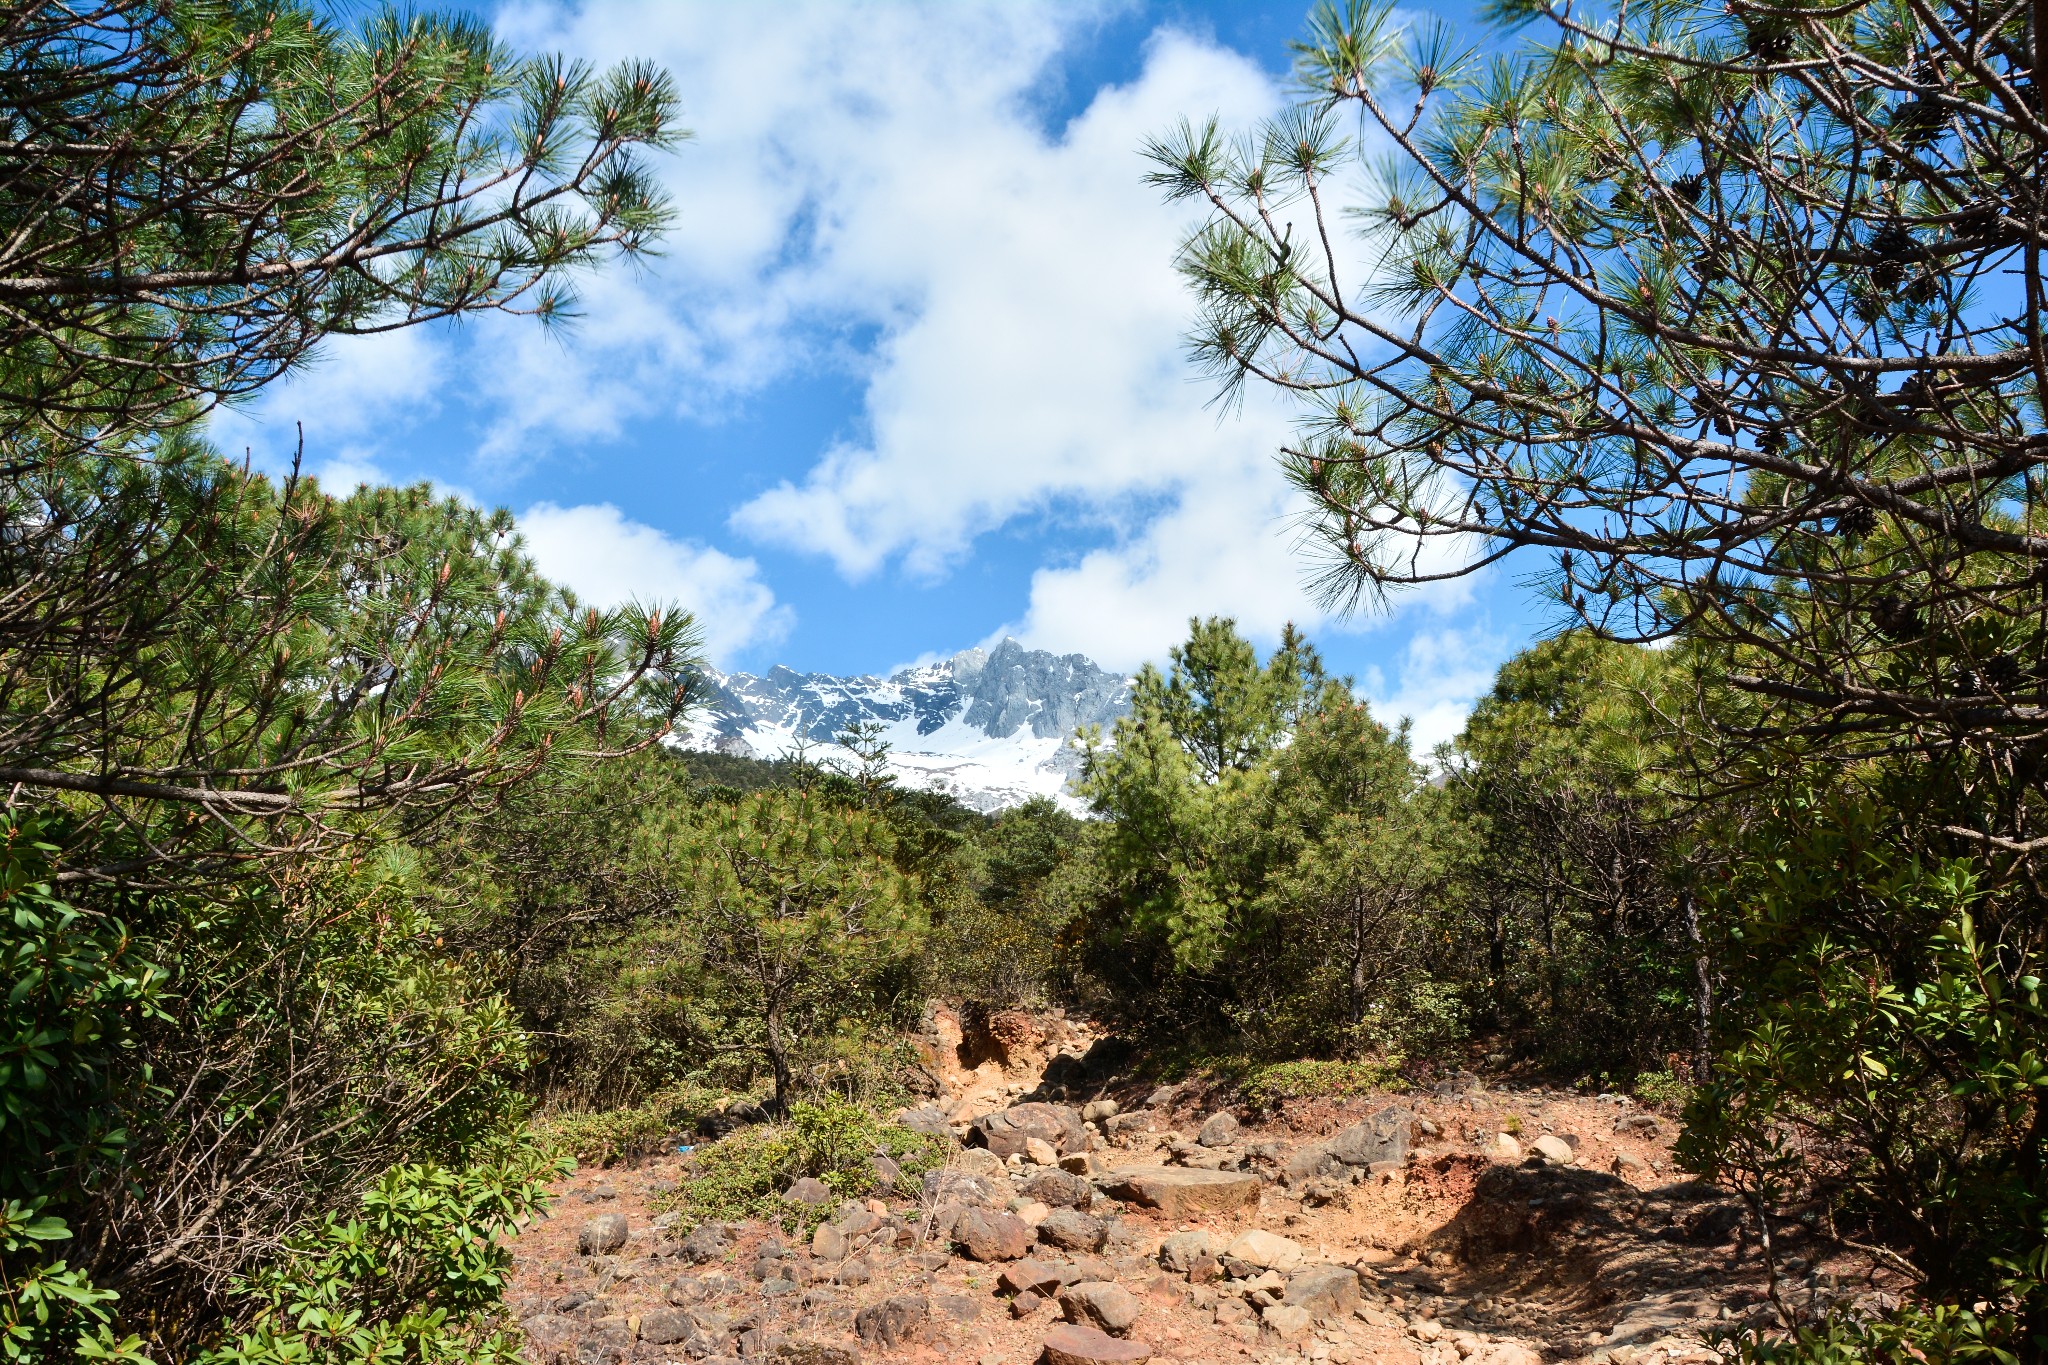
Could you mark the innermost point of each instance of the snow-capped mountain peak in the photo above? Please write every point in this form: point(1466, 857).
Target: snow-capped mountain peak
point(992, 728)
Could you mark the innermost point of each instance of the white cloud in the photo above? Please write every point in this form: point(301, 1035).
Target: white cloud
point(609, 559)
point(1443, 671)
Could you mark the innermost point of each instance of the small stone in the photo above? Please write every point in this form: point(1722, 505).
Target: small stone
point(892, 1321)
point(1039, 1152)
point(980, 1161)
point(1285, 1321)
point(830, 1243)
point(1205, 1270)
point(1027, 1303)
point(1095, 1111)
point(1074, 1344)
point(1030, 1276)
point(1031, 1212)
point(1326, 1291)
point(1180, 1252)
point(887, 1172)
point(1218, 1130)
point(1266, 1250)
point(706, 1242)
point(1099, 1303)
point(1627, 1166)
point(809, 1191)
point(1071, 1230)
point(1554, 1151)
point(1059, 1189)
point(666, 1326)
point(988, 1236)
point(1505, 1149)
point(602, 1235)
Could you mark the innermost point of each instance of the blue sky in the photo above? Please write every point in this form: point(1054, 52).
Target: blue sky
point(907, 377)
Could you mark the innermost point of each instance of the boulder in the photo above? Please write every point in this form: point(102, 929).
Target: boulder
point(1265, 1250)
point(1074, 1344)
point(1100, 1303)
point(602, 1235)
point(810, 1192)
point(1326, 1291)
point(1059, 1189)
point(706, 1242)
point(1180, 1252)
point(980, 1161)
point(666, 1326)
point(550, 1338)
point(1554, 1151)
point(1006, 1131)
point(1285, 1321)
point(830, 1243)
point(1030, 1276)
point(1219, 1130)
point(1070, 1230)
point(985, 1235)
point(1179, 1192)
point(958, 1187)
point(892, 1321)
point(1383, 1137)
point(926, 1119)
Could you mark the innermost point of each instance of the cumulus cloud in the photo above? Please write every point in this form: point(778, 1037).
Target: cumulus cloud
point(607, 559)
point(1442, 672)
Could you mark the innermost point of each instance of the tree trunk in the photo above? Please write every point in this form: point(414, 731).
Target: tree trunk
point(1703, 993)
point(777, 1047)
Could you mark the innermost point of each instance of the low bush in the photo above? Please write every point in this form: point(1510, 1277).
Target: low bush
point(744, 1175)
point(1267, 1084)
point(657, 1124)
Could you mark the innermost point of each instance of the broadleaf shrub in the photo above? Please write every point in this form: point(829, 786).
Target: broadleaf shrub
point(745, 1174)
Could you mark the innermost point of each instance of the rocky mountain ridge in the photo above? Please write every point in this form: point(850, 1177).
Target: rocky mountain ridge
point(992, 728)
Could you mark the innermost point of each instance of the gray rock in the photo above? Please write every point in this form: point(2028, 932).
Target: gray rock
point(830, 1243)
point(926, 1119)
point(892, 1321)
point(602, 1235)
point(1071, 1230)
point(1095, 1111)
point(1286, 1321)
point(809, 1191)
point(1071, 1343)
point(1180, 1251)
point(706, 1242)
point(1326, 1291)
point(1179, 1192)
point(887, 1172)
point(1006, 1132)
point(1220, 1130)
point(1059, 1189)
point(985, 1235)
point(956, 1307)
point(958, 1187)
point(854, 1273)
point(666, 1326)
point(1100, 1304)
point(1383, 1137)
point(1554, 1151)
point(1033, 1277)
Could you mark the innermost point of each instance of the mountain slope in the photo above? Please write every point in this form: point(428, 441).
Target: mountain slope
point(991, 728)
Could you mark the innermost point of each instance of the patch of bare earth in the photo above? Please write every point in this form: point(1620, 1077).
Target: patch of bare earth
point(1403, 1229)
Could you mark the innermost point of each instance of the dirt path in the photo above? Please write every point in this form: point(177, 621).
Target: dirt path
point(1416, 1230)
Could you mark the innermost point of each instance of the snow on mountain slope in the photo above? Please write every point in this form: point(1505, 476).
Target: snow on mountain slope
point(990, 728)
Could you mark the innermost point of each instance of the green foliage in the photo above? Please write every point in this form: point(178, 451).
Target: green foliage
point(1265, 862)
point(1663, 1090)
point(1001, 937)
point(415, 1273)
point(744, 1174)
point(1269, 1083)
point(655, 1125)
point(1892, 1050)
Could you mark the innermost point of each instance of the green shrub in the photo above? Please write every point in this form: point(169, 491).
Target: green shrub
point(1663, 1089)
point(1268, 1084)
point(744, 1175)
point(656, 1124)
point(416, 1274)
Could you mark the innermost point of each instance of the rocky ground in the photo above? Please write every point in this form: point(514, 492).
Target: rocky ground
point(1478, 1222)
